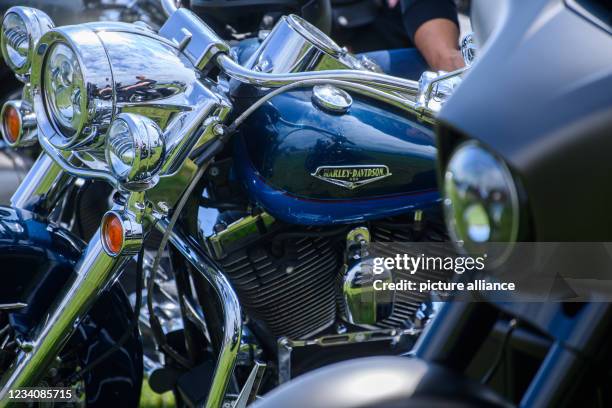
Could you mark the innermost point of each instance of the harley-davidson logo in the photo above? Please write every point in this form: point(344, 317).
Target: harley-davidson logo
point(352, 177)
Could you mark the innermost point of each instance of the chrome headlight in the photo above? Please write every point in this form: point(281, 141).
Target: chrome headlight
point(135, 151)
point(72, 83)
point(480, 201)
point(22, 27)
point(65, 95)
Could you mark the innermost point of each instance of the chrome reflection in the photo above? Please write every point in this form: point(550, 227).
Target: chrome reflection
point(125, 69)
point(63, 84)
point(147, 69)
point(481, 202)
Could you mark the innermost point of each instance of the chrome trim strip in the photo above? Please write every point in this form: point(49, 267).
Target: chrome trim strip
point(232, 319)
point(92, 275)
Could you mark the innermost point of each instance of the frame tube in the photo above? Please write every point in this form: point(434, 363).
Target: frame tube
point(232, 318)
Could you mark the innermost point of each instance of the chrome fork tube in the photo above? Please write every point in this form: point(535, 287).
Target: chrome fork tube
point(39, 192)
point(92, 275)
point(41, 188)
point(232, 320)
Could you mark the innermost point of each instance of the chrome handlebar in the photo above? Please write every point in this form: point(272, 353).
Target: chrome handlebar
point(407, 94)
point(205, 50)
point(374, 79)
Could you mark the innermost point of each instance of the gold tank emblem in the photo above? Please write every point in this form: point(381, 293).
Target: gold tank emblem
point(352, 177)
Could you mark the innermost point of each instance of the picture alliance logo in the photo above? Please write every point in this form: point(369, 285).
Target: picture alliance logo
point(414, 264)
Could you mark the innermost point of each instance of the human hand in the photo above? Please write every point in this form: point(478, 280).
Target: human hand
point(448, 61)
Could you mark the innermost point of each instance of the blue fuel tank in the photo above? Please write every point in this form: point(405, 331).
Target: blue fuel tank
point(308, 166)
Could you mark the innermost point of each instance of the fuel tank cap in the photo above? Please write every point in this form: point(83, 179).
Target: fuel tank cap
point(331, 98)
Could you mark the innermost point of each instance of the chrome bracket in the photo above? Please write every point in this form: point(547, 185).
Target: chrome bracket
point(194, 38)
point(432, 86)
point(286, 346)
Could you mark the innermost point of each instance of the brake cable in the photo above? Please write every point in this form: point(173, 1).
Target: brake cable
point(203, 158)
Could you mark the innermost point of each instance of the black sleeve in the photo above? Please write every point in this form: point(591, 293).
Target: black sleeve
point(417, 12)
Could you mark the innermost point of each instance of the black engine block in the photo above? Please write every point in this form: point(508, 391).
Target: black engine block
point(287, 277)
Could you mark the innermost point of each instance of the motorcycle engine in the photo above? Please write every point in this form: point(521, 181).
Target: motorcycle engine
point(289, 279)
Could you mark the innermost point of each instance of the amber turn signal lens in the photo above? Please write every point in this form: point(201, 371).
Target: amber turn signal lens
point(112, 233)
point(11, 121)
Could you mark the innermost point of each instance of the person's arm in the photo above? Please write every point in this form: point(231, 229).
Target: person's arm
point(437, 40)
point(433, 27)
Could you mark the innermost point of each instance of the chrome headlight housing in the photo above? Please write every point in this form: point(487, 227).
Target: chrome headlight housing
point(481, 202)
point(22, 28)
point(72, 84)
point(135, 151)
point(85, 77)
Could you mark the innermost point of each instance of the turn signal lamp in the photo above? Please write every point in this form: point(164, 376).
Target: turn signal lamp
point(112, 233)
point(11, 124)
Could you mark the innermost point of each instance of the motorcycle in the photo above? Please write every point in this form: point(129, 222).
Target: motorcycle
point(266, 172)
point(531, 134)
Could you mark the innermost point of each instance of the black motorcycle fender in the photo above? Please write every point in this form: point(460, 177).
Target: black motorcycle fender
point(36, 261)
